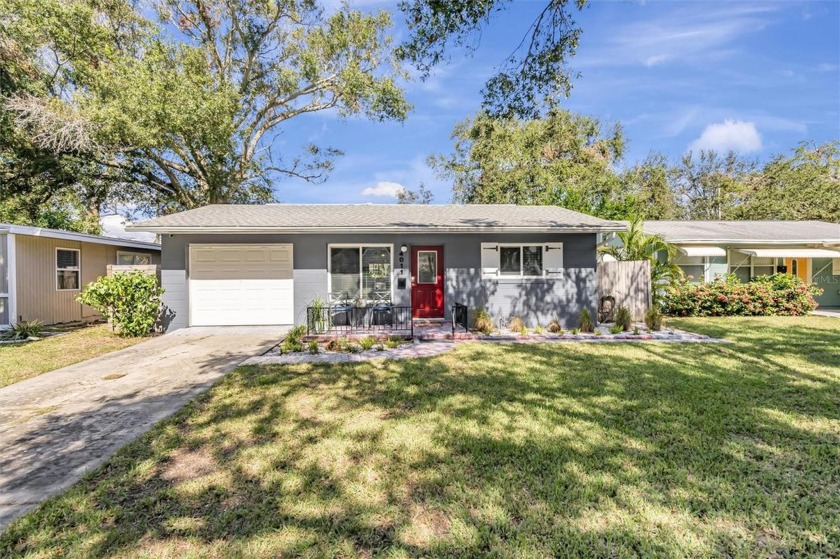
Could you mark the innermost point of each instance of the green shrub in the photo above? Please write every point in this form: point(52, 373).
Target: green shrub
point(483, 321)
point(131, 299)
point(394, 342)
point(585, 323)
point(539, 330)
point(575, 331)
point(636, 331)
point(616, 329)
point(554, 327)
point(296, 334)
point(294, 339)
point(779, 294)
point(314, 349)
point(653, 319)
point(367, 342)
point(318, 319)
point(516, 325)
point(623, 318)
point(26, 329)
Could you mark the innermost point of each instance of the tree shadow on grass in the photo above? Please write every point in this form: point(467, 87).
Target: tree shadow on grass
point(522, 449)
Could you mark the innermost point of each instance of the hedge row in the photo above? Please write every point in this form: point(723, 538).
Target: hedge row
point(779, 294)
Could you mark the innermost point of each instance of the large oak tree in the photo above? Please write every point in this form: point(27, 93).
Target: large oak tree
point(184, 108)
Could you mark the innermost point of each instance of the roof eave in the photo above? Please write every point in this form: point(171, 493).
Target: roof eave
point(373, 230)
point(31, 231)
point(751, 241)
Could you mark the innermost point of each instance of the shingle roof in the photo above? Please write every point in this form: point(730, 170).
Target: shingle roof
point(745, 231)
point(376, 217)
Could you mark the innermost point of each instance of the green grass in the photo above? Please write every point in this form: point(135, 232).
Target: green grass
point(517, 450)
point(22, 361)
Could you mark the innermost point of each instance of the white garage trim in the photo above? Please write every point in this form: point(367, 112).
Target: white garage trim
point(241, 284)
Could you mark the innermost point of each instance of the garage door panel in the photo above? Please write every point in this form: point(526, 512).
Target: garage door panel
point(232, 285)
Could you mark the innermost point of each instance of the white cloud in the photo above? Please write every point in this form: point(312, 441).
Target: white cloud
point(114, 226)
point(734, 135)
point(384, 188)
point(697, 33)
point(655, 60)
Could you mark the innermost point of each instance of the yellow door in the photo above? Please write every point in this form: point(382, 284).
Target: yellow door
point(798, 267)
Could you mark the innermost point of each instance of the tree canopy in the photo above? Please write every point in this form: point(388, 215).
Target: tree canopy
point(561, 159)
point(181, 108)
point(536, 70)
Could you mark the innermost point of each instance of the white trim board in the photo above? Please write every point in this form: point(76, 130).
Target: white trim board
point(81, 237)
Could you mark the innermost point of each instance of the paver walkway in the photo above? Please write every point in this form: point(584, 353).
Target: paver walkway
point(59, 425)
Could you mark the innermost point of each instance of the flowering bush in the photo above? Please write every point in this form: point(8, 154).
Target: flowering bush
point(779, 294)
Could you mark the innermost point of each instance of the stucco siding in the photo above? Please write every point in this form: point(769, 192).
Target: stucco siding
point(175, 299)
point(534, 300)
point(309, 284)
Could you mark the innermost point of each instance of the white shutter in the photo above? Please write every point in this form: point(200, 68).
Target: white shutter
point(835, 266)
point(553, 259)
point(489, 260)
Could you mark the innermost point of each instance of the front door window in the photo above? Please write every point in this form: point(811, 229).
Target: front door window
point(426, 266)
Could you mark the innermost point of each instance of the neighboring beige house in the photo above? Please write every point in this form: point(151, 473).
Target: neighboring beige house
point(43, 270)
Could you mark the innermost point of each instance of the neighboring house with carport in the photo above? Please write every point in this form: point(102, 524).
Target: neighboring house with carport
point(807, 249)
point(264, 265)
point(43, 270)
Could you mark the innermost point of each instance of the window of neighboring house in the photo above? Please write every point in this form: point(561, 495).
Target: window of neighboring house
point(747, 267)
point(67, 269)
point(763, 266)
point(360, 273)
point(133, 258)
point(694, 267)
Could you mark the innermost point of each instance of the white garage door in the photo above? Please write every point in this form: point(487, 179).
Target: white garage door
point(238, 285)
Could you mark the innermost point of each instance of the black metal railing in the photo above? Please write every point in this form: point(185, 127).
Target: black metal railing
point(349, 319)
point(459, 316)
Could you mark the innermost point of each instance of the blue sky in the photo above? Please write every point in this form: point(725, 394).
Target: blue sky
point(757, 77)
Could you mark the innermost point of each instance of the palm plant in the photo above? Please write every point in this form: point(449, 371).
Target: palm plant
point(638, 245)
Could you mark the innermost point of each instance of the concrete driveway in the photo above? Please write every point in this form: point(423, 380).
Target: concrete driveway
point(59, 425)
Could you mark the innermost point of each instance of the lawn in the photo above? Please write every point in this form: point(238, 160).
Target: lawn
point(22, 361)
point(519, 450)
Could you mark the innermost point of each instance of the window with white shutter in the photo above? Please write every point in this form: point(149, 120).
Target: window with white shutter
point(523, 261)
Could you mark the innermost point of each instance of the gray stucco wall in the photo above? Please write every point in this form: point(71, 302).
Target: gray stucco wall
point(535, 301)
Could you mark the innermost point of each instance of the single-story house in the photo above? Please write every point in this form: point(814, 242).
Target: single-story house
point(264, 265)
point(43, 270)
point(808, 249)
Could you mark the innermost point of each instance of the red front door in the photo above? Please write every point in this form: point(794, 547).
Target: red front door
point(427, 281)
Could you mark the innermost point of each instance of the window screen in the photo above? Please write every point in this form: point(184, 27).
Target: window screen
point(345, 277)
point(67, 269)
point(532, 260)
point(510, 261)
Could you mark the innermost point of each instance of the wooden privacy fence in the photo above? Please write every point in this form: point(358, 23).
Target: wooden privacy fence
point(628, 282)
